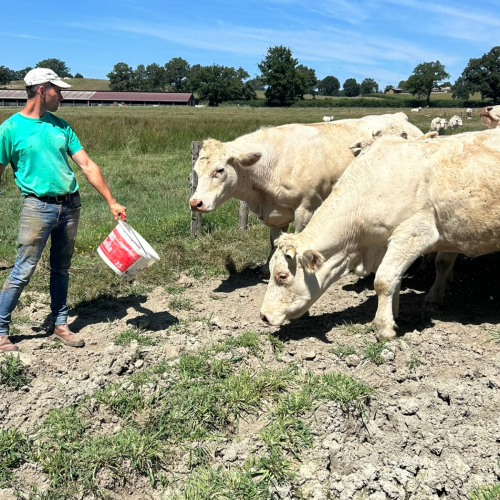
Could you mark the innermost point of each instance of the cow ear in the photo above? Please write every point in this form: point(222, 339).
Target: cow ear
point(290, 253)
point(311, 261)
point(245, 159)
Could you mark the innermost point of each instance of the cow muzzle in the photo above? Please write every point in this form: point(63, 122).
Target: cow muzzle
point(196, 206)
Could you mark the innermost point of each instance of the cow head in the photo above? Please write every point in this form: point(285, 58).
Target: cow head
point(217, 170)
point(490, 116)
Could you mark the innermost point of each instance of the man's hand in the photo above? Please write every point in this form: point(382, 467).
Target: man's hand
point(117, 209)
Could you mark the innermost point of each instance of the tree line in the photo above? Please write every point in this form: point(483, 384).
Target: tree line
point(282, 79)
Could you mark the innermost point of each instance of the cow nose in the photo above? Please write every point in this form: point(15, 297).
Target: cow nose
point(195, 204)
point(264, 318)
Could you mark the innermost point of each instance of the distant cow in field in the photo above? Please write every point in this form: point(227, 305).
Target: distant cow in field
point(439, 125)
point(468, 112)
point(416, 110)
point(455, 121)
point(328, 118)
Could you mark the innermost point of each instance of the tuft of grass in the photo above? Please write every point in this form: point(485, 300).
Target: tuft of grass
point(485, 493)
point(180, 304)
point(287, 432)
point(14, 451)
point(413, 362)
point(373, 352)
point(249, 340)
point(174, 289)
point(13, 371)
point(355, 329)
point(343, 350)
point(494, 336)
point(277, 345)
point(126, 337)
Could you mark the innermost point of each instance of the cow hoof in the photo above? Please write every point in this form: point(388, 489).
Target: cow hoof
point(385, 335)
point(433, 306)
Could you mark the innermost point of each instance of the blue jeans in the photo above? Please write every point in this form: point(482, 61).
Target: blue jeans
point(39, 220)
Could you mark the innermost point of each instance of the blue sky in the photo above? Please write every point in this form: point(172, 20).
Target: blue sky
point(379, 39)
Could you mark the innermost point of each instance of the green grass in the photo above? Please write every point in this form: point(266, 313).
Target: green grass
point(189, 407)
point(485, 493)
point(342, 350)
point(13, 371)
point(126, 337)
point(373, 352)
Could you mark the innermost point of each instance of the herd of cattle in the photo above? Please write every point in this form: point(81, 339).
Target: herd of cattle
point(406, 194)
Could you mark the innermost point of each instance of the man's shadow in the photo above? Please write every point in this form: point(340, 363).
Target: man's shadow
point(247, 277)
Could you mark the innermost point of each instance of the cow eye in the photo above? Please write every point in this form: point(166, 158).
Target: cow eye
point(219, 172)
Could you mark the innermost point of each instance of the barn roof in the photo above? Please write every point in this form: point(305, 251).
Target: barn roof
point(92, 95)
point(142, 96)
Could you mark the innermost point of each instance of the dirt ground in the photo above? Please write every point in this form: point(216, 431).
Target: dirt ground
point(432, 431)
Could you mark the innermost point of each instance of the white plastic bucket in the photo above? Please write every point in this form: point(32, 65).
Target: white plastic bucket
point(126, 251)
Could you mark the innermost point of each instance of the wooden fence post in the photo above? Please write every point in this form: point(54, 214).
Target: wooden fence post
point(243, 216)
point(193, 180)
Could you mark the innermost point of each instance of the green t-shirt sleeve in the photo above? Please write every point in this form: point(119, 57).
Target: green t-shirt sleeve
point(5, 149)
point(73, 142)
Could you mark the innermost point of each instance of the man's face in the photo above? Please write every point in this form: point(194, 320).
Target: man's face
point(51, 96)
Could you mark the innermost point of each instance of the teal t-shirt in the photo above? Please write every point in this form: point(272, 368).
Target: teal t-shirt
point(37, 149)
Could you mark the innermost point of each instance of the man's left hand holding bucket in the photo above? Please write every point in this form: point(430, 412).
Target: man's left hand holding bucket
point(35, 143)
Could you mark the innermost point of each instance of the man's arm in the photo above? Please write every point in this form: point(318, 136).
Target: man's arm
point(94, 175)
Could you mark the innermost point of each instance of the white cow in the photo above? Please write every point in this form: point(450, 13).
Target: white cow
point(455, 121)
point(490, 116)
point(399, 200)
point(439, 125)
point(283, 173)
point(328, 118)
point(468, 112)
point(416, 110)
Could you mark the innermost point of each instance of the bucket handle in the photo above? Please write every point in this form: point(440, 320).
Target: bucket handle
point(132, 234)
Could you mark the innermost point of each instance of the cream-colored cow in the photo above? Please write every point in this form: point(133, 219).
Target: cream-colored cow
point(283, 173)
point(398, 200)
point(490, 116)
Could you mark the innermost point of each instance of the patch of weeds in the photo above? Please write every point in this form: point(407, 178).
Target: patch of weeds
point(342, 350)
point(373, 352)
point(26, 299)
point(485, 493)
point(287, 432)
point(249, 340)
point(274, 468)
point(123, 399)
point(213, 296)
point(13, 372)
point(413, 362)
point(126, 337)
point(34, 493)
point(21, 320)
point(297, 403)
point(277, 344)
point(235, 484)
point(13, 330)
point(180, 304)
point(14, 448)
point(199, 455)
point(494, 336)
point(342, 389)
point(174, 289)
point(355, 329)
point(64, 425)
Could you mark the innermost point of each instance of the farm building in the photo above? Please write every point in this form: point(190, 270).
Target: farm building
point(105, 98)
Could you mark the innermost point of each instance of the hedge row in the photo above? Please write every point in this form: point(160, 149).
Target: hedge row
point(367, 102)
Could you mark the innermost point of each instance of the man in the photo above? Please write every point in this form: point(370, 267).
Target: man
point(35, 143)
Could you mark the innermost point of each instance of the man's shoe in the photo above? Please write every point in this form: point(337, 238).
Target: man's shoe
point(6, 344)
point(63, 333)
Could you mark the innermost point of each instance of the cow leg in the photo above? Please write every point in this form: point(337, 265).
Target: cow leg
point(274, 234)
point(444, 267)
point(402, 251)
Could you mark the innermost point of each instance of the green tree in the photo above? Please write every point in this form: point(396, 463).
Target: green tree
point(425, 77)
point(217, 83)
point(6, 75)
point(368, 86)
point(280, 75)
point(329, 86)
point(78, 75)
point(248, 92)
point(481, 75)
point(351, 87)
point(177, 74)
point(309, 80)
point(256, 84)
point(22, 73)
point(139, 79)
point(155, 76)
point(122, 78)
point(56, 65)
point(401, 85)
point(387, 88)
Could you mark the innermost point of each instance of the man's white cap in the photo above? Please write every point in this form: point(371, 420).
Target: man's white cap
point(38, 76)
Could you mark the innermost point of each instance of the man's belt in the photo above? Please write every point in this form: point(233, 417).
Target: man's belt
point(61, 198)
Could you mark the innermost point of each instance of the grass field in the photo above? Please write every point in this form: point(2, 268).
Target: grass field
point(145, 156)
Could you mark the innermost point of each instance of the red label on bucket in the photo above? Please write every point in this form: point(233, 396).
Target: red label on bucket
point(117, 249)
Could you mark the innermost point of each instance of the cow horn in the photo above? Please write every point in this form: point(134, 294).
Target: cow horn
point(290, 254)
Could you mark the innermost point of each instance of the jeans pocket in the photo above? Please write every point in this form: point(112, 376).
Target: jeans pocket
point(32, 203)
point(75, 200)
